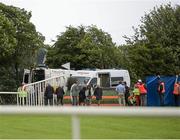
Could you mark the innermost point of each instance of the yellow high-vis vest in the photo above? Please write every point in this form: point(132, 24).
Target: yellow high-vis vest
point(136, 91)
point(22, 92)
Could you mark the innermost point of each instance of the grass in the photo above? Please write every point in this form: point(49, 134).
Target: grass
point(54, 127)
point(110, 92)
point(23, 127)
point(104, 101)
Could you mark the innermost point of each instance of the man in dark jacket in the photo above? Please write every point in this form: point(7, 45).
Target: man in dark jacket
point(48, 94)
point(98, 93)
point(60, 93)
point(127, 94)
point(82, 96)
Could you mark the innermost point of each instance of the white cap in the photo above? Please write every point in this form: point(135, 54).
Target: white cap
point(140, 80)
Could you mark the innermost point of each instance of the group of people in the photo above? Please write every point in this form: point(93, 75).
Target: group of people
point(140, 93)
point(138, 96)
point(135, 98)
point(82, 95)
point(161, 92)
point(123, 93)
point(48, 94)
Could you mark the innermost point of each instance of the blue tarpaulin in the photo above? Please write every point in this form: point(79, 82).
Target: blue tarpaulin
point(152, 94)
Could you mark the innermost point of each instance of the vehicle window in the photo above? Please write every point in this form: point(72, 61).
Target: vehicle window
point(93, 81)
point(26, 78)
point(82, 80)
point(115, 80)
point(38, 75)
point(104, 79)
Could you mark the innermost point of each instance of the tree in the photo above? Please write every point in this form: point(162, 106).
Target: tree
point(84, 47)
point(7, 39)
point(155, 47)
point(19, 41)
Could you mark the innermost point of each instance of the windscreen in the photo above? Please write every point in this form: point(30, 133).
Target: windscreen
point(38, 75)
point(82, 80)
point(115, 80)
point(26, 78)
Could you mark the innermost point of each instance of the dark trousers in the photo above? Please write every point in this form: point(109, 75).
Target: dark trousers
point(81, 101)
point(22, 100)
point(60, 100)
point(143, 99)
point(137, 100)
point(161, 98)
point(177, 100)
point(48, 99)
point(126, 98)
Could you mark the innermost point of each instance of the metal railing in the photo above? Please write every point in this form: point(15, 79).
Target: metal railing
point(11, 93)
point(75, 112)
point(36, 90)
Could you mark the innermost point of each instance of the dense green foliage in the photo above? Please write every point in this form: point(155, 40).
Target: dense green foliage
point(19, 41)
point(155, 47)
point(92, 127)
point(84, 47)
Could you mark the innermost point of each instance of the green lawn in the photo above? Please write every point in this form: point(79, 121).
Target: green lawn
point(110, 92)
point(51, 127)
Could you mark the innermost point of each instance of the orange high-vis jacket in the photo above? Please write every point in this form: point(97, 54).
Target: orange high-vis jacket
point(142, 89)
point(163, 88)
point(176, 89)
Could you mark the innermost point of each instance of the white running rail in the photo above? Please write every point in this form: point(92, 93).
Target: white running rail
point(97, 111)
point(13, 93)
point(8, 92)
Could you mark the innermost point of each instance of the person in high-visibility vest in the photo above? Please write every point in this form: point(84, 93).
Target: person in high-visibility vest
point(161, 92)
point(132, 100)
point(22, 94)
point(137, 93)
point(55, 98)
point(143, 92)
point(176, 93)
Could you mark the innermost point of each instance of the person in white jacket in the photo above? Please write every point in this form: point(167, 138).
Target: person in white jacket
point(74, 93)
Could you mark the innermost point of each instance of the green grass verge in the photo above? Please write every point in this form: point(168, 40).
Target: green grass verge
point(54, 127)
point(103, 101)
point(106, 92)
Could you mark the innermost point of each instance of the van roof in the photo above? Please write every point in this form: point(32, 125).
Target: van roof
point(112, 70)
point(88, 73)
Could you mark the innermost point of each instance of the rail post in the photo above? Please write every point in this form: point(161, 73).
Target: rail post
point(75, 127)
